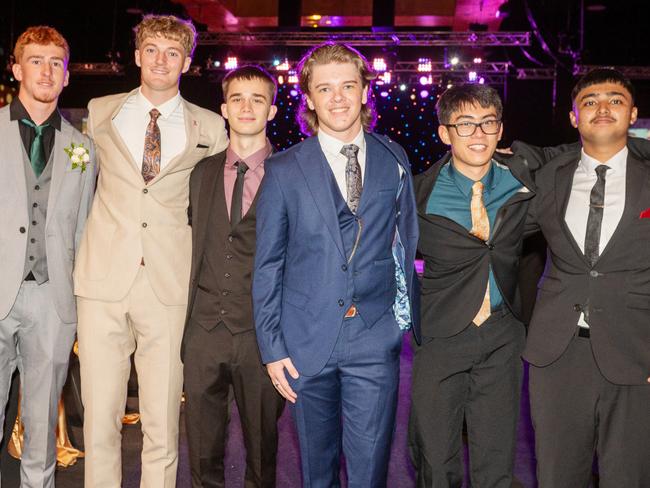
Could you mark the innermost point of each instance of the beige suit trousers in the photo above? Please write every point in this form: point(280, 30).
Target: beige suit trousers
point(109, 332)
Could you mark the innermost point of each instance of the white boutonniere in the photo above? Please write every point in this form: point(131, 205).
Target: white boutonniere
point(79, 156)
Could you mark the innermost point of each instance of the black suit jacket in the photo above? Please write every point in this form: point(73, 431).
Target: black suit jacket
point(617, 287)
point(227, 299)
point(457, 263)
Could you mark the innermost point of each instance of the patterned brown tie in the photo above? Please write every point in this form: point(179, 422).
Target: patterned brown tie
point(151, 155)
point(480, 229)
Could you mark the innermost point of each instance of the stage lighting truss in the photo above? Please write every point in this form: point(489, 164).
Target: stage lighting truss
point(632, 72)
point(417, 38)
point(96, 68)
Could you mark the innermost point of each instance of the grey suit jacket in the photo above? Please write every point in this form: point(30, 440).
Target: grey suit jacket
point(71, 193)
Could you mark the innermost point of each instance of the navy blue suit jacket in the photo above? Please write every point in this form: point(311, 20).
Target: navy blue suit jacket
point(300, 256)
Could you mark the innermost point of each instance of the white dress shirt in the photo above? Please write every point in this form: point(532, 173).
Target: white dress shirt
point(577, 210)
point(331, 146)
point(133, 118)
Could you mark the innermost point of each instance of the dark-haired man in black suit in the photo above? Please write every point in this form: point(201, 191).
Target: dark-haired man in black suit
point(589, 338)
point(219, 345)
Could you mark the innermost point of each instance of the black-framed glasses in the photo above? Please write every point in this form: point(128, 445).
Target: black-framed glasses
point(466, 129)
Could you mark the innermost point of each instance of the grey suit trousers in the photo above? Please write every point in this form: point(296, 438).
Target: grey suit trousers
point(35, 340)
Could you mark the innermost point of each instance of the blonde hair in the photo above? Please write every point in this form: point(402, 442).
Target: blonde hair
point(169, 27)
point(41, 35)
point(326, 53)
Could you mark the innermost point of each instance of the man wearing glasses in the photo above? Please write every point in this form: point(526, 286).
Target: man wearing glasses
point(472, 206)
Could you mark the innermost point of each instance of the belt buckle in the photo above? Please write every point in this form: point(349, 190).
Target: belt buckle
point(352, 312)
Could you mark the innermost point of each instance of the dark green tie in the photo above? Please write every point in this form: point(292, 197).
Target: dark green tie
point(37, 151)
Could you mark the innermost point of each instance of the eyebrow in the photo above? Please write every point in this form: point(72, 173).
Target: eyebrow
point(327, 83)
point(471, 117)
point(255, 95)
point(609, 94)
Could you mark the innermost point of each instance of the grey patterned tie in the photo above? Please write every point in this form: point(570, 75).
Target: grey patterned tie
point(352, 176)
point(595, 218)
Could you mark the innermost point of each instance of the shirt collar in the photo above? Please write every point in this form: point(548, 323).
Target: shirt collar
point(18, 111)
point(253, 161)
point(332, 146)
point(165, 109)
point(616, 162)
point(464, 184)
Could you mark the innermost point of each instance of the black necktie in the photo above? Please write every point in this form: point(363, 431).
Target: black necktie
point(36, 151)
point(595, 219)
point(237, 194)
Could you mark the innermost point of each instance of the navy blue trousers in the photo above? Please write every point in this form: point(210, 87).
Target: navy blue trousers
point(350, 404)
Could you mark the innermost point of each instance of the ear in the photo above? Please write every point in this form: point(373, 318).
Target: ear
point(633, 115)
point(573, 119)
point(364, 95)
point(137, 58)
point(186, 64)
point(224, 110)
point(310, 103)
point(66, 80)
point(17, 70)
point(443, 132)
point(272, 111)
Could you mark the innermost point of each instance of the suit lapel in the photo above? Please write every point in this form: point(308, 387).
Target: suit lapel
point(636, 178)
point(425, 182)
point(12, 158)
point(314, 167)
point(211, 185)
point(114, 134)
point(370, 182)
point(563, 185)
point(59, 167)
point(192, 131)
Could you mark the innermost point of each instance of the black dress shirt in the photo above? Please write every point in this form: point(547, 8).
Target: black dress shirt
point(17, 111)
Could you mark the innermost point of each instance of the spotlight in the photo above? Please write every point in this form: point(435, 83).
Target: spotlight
point(471, 76)
point(293, 77)
point(216, 64)
point(384, 78)
point(450, 84)
point(293, 93)
point(280, 80)
point(284, 66)
point(424, 94)
point(454, 60)
point(276, 62)
point(231, 63)
point(379, 65)
point(424, 65)
point(478, 60)
point(481, 81)
point(384, 94)
point(402, 87)
point(425, 80)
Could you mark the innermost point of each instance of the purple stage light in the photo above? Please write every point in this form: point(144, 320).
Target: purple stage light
point(471, 76)
point(424, 94)
point(231, 63)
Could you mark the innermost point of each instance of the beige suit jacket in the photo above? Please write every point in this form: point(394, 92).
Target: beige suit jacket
point(130, 221)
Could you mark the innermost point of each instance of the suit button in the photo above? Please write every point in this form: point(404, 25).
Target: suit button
point(22, 230)
point(593, 273)
point(577, 307)
point(490, 246)
point(224, 293)
point(344, 267)
point(222, 312)
point(31, 258)
point(35, 205)
point(226, 275)
point(37, 188)
point(144, 224)
point(32, 240)
point(145, 191)
point(341, 302)
point(34, 222)
point(229, 238)
point(355, 299)
point(228, 256)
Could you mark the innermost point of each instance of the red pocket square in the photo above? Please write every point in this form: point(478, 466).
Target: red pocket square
point(645, 214)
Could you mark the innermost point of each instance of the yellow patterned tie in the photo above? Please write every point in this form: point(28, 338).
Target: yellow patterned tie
point(480, 229)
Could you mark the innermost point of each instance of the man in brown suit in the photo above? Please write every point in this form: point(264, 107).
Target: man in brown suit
point(219, 347)
point(133, 266)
